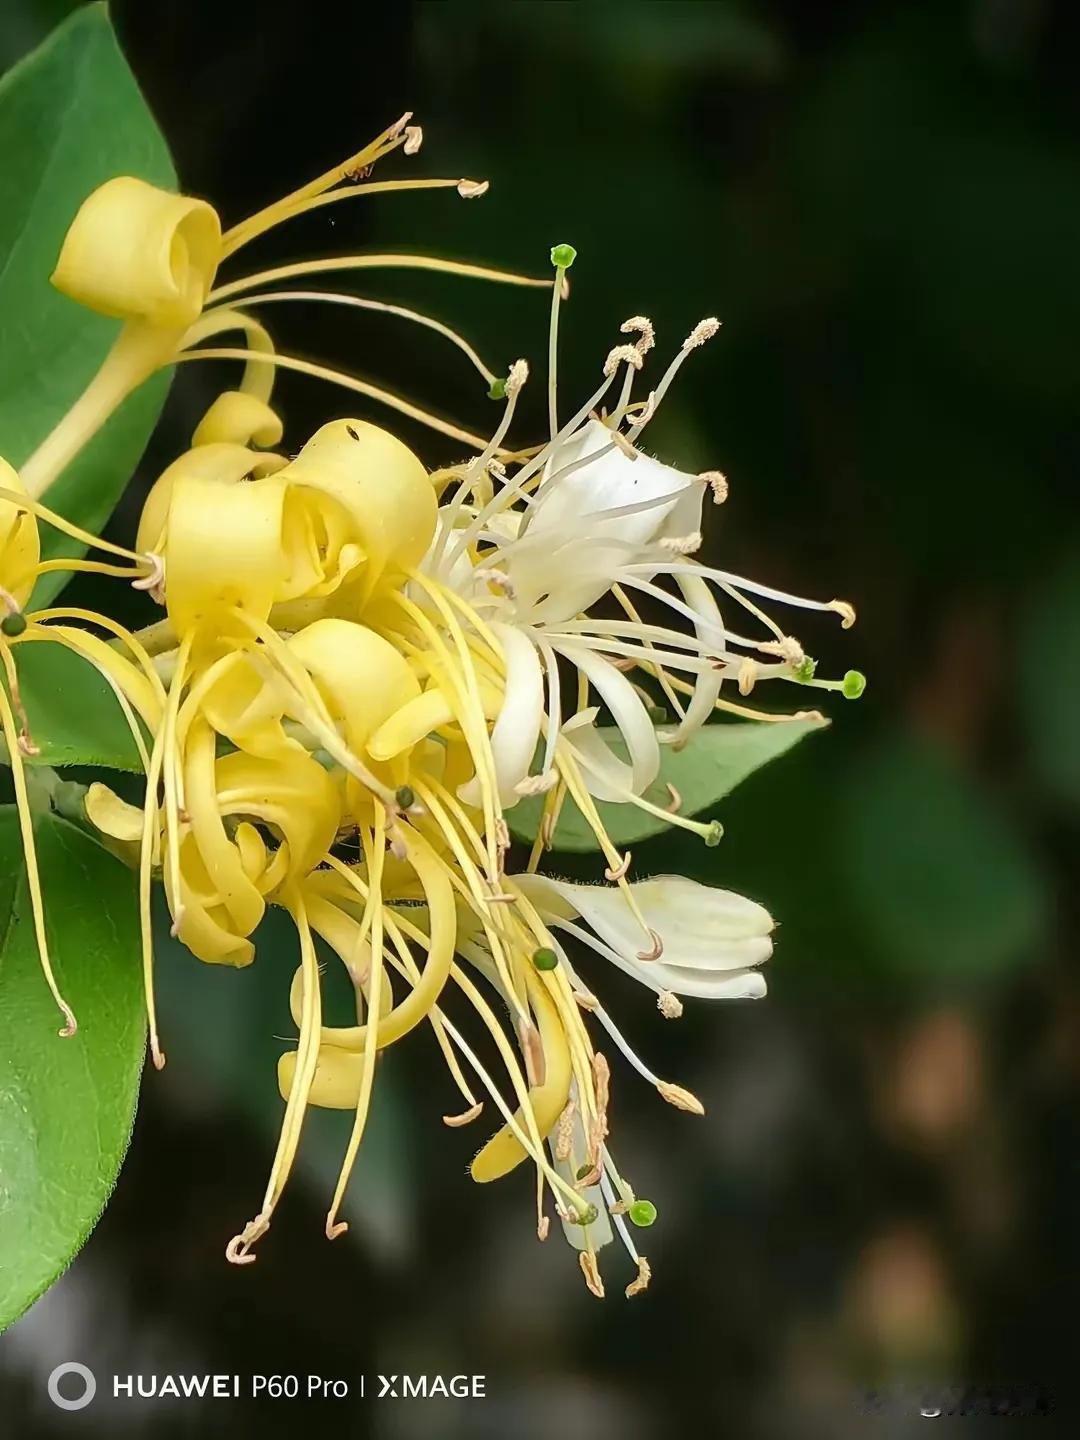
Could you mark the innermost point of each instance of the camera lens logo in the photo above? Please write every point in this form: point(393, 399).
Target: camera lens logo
point(85, 1379)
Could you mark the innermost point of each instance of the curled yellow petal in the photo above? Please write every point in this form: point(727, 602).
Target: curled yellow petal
point(139, 253)
point(20, 546)
point(362, 678)
point(504, 1151)
point(236, 418)
point(381, 486)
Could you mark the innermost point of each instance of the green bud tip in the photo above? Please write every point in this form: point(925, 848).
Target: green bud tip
point(854, 684)
point(714, 835)
point(545, 959)
point(642, 1213)
point(563, 256)
point(804, 671)
point(497, 390)
point(13, 623)
point(405, 797)
point(586, 1216)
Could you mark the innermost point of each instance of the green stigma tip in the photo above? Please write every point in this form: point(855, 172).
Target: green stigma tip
point(854, 684)
point(497, 390)
point(14, 623)
point(804, 671)
point(563, 256)
point(714, 834)
point(642, 1213)
point(586, 1216)
point(545, 959)
point(405, 797)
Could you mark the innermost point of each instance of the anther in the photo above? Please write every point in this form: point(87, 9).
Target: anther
point(335, 1229)
point(788, 649)
point(564, 1133)
point(622, 355)
point(591, 1271)
point(154, 582)
point(747, 675)
point(680, 1098)
point(675, 804)
point(717, 483)
point(656, 951)
point(642, 326)
point(702, 331)
point(533, 1050)
point(619, 871)
point(414, 138)
point(644, 1275)
point(537, 784)
point(846, 612)
point(669, 1005)
point(543, 1225)
point(454, 1121)
point(682, 544)
point(586, 1001)
point(519, 373)
point(473, 189)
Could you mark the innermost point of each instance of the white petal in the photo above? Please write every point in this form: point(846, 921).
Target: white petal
point(712, 938)
point(569, 503)
point(516, 731)
point(707, 683)
point(607, 776)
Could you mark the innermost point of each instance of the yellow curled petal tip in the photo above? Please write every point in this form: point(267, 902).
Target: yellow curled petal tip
point(136, 252)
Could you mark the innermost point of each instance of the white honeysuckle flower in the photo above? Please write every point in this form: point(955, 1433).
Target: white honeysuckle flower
point(713, 940)
point(528, 553)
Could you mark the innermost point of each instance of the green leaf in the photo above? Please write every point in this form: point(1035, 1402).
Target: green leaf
point(66, 1106)
point(718, 758)
point(944, 884)
point(73, 715)
point(71, 116)
point(1049, 665)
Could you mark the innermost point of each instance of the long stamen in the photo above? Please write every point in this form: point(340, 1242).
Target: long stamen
point(348, 169)
point(239, 1248)
point(337, 377)
point(66, 527)
point(374, 262)
point(360, 302)
point(334, 1228)
point(33, 880)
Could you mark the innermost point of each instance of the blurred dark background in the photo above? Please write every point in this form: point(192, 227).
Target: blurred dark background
point(882, 203)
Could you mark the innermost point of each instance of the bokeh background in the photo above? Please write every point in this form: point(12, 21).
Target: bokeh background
point(882, 203)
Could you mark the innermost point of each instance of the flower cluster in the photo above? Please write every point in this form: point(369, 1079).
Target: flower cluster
point(363, 667)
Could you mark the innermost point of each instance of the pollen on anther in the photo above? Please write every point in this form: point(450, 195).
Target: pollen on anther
point(622, 355)
point(717, 483)
point(642, 326)
point(702, 331)
point(473, 189)
point(669, 1005)
point(414, 138)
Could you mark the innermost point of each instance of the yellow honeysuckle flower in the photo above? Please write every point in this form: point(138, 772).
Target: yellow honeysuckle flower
point(150, 258)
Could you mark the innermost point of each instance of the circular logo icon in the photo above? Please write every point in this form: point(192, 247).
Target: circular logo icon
point(86, 1376)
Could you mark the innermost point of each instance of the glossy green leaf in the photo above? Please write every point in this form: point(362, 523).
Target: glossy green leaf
point(718, 758)
point(66, 1105)
point(73, 715)
point(946, 889)
point(71, 116)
